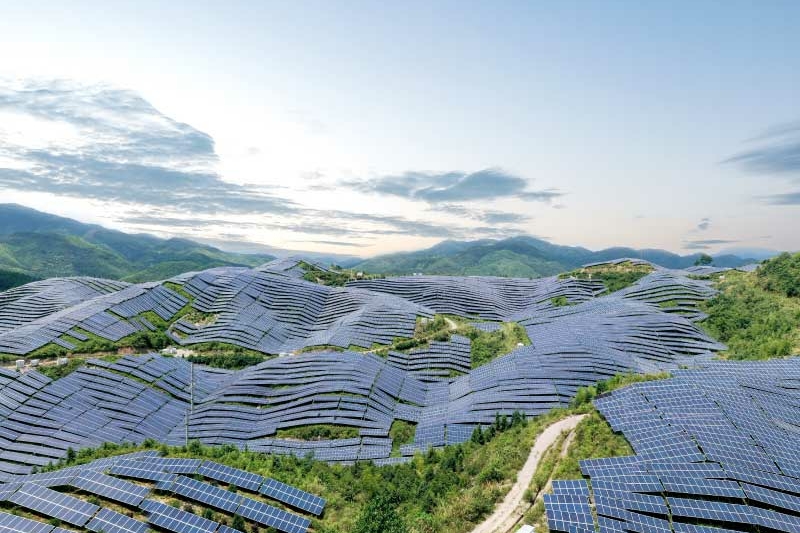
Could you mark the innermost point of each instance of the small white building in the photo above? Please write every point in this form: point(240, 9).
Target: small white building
point(20, 364)
point(526, 529)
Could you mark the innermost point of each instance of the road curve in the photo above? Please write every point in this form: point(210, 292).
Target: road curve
point(510, 510)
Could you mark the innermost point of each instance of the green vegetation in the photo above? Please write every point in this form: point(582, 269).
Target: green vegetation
point(757, 315)
point(593, 438)
point(12, 278)
point(229, 360)
point(380, 516)
point(523, 257)
point(614, 276)
point(487, 346)
point(318, 432)
point(59, 371)
point(334, 277)
point(401, 432)
point(781, 275)
point(448, 490)
point(703, 260)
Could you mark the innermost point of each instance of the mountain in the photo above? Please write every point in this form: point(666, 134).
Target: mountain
point(41, 245)
point(519, 257)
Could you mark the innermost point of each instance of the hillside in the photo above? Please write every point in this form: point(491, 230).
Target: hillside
point(40, 245)
point(519, 257)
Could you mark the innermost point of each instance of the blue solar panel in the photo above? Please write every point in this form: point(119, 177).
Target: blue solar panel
point(54, 504)
point(175, 520)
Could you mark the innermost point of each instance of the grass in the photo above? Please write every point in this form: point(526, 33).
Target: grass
point(614, 277)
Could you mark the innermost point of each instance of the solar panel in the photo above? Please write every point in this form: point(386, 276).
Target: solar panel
point(175, 520)
point(205, 493)
point(10, 523)
point(54, 504)
point(233, 476)
point(270, 516)
point(111, 488)
point(293, 497)
point(108, 521)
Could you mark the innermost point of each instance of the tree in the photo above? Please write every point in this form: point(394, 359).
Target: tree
point(380, 516)
point(238, 523)
point(703, 260)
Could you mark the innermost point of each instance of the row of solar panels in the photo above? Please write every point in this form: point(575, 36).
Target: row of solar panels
point(103, 478)
point(716, 450)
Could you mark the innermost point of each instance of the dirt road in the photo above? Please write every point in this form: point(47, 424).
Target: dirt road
point(510, 510)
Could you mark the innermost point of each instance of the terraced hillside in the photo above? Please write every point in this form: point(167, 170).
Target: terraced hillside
point(577, 338)
point(382, 369)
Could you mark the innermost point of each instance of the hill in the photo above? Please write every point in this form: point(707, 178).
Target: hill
point(519, 257)
point(41, 245)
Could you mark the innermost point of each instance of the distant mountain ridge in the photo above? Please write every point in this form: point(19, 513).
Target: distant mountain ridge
point(35, 245)
point(520, 257)
point(41, 245)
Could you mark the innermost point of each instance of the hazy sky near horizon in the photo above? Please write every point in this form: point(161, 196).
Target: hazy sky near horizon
point(370, 127)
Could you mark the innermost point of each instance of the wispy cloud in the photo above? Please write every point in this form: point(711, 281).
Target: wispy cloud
point(704, 224)
point(488, 216)
point(779, 152)
point(791, 198)
point(705, 244)
point(487, 184)
point(130, 153)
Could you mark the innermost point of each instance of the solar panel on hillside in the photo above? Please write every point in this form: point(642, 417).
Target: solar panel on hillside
point(54, 504)
point(270, 516)
point(199, 491)
point(10, 523)
point(108, 521)
point(293, 497)
point(112, 488)
point(175, 520)
point(232, 476)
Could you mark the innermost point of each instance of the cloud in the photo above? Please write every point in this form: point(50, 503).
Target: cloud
point(779, 152)
point(123, 152)
point(335, 243)
point(483, 215)
point(704, 224)
point(791, 198)
point(487, 184)
point(705, 243)
point(128, 153)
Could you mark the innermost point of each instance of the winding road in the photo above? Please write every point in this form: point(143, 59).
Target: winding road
point(508, 513)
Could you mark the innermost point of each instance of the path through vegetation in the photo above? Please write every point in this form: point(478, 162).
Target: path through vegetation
point(510, 510)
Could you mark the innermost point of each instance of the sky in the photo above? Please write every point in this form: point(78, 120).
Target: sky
point(363, 128)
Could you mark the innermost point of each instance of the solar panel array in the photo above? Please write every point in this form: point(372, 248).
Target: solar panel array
point(485, 297)
point(104, 478)
point(434, 387)
point(62, 310)
point(716, 447)
point(274, 312)
point(438, 360)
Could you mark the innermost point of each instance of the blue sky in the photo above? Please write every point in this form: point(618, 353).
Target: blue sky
point(369, 127)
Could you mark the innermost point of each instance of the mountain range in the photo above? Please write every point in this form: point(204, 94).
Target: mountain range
point(35, 245)
point(520, 257)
